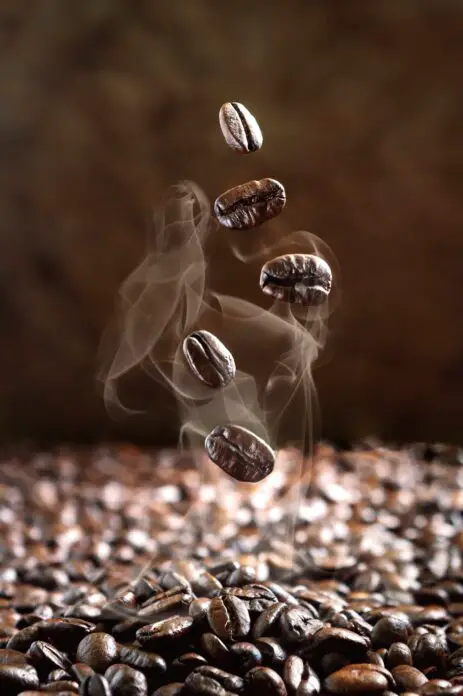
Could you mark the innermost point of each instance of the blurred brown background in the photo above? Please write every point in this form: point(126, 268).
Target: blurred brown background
point(104, 103)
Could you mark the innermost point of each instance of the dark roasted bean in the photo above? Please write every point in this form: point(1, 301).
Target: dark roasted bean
point(229, 618)
point(16, 678)
point(175, 604)
point(215, 650)
point(151, 664)
point(81, 671)
point(99, 650)
point(125, 681)
point(202, 685)
point(239, 128)
point(209, 360)
point(398, 654)
point(11, 657)
point(240, 453)
point(249, 205)
point(409, 678)
point(245, 656)
point(165, 633)
point(390, 630)
point(297, 278)
point(61, 686)
point(46, 657)
point(267, 623)
point(273, 653)
point(206, 585)
point(297, 625)
point(95, 685)
point(58, 675)
point(429, 651)
point(186, 663)
point(293, 672)
point(338, 640)
point(65, 633)
point(172, 689)
point(265, 682)
point(230, 682)
point(355, 680)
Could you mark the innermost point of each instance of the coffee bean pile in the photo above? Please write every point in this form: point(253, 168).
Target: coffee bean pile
point(373, 603)
point(303, 279)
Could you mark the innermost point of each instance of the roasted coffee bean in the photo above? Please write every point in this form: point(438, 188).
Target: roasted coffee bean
point(273, 653)
point(245, 656)
point(429, 651)
point(99, 650)
point(409, 678)
point(240, 453)
point(249, 205)
point(198, 609)
point(268, 623)
point(61, 687)
point(355, 680)
point(229, 618)
point(202, 685)
point(126, 631)
point(17, 678)
point(390, 630)
point(243, 575)
point(62, 632)
point(297, 278)
point(230, 682)
point(206, 585)
point(165, 633)
point(186, 663)
point(265, 682)
point(215, 650)
point(172, 689)
point(239, 128)
point(340, 640)
point(95, 685)
point(125, 681)
point(293, 672)
point(46, 657)
point(398, 654)
point(439, 687)
point(12, 657)
point(209, 360)
point(81, 671)
point(297, 625)
point(58, 675)
point(151, 664)
point(175, 604)
point(332, 662)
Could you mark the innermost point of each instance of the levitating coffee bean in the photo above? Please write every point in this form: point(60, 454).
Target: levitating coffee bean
point(249, 205)
point(229, 618)
point(240, 453)
point(17, 678)
point(98, 650)
point(125, 681)
point(239, 127)
point(210, 361)
point(354, 680)
point(265, 682)
point(95, 685)
point(297, 278)
point(165, 633)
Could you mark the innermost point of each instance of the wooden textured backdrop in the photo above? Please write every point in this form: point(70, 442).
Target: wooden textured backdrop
point(103, 104)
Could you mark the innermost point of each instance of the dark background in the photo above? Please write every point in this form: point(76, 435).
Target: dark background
point(105, 103)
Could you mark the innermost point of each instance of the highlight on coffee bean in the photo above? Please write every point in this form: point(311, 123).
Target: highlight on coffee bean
point(239, 128)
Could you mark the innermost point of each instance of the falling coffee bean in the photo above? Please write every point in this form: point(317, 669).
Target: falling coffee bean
point(249, 205)
point(239, 127)
point(210, 361)
point(303, 279)
point(240, 453)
